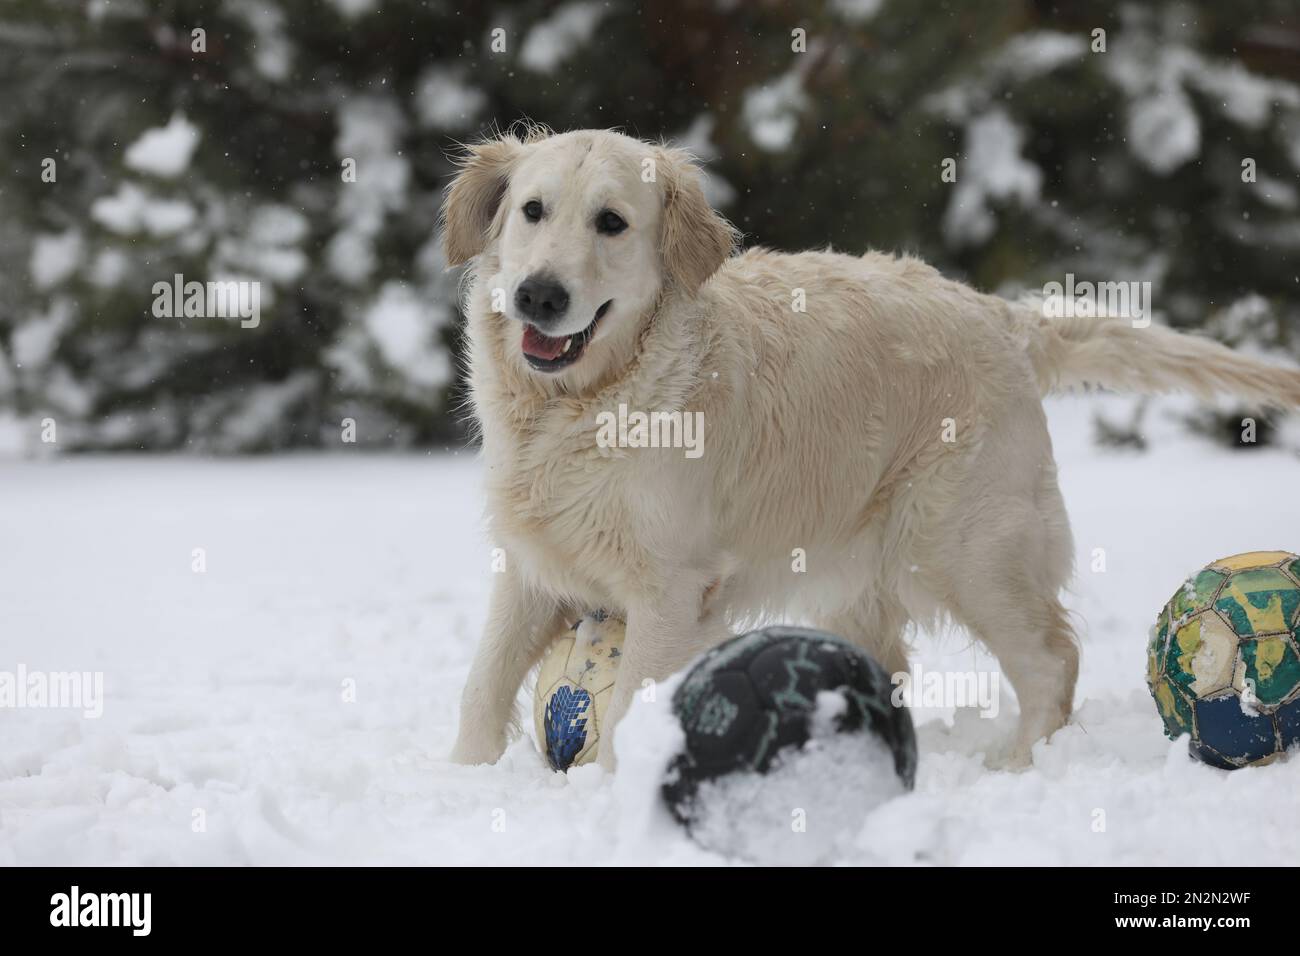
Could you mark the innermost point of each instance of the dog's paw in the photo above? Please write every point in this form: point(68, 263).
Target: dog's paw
point(1010, 758)
point(469, 752)
point(1011, 763)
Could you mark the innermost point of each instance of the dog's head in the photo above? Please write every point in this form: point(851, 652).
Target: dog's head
point(577, 237)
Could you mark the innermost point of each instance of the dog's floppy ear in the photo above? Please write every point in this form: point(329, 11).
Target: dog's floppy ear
point(474, 195)
point(694, 239)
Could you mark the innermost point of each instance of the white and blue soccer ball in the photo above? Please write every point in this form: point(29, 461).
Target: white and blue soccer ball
point(574, 688)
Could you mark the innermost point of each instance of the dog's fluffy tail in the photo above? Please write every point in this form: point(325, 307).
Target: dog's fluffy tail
point(1110, 352)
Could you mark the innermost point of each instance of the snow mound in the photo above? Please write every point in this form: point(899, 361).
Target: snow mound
point(809, 807)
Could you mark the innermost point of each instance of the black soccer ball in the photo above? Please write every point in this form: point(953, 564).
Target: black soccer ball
point(752, 700)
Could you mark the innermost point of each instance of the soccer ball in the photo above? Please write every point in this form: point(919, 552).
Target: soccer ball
point(1223, 663)
point(574, 686)
point(754, 701)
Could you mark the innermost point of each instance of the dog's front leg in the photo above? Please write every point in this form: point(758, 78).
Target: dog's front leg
point(664, 634)
point(520, 621)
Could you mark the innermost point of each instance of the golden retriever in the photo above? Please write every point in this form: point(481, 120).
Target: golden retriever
point(874, 448)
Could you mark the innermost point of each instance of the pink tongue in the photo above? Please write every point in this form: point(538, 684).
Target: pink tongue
point(541, 346)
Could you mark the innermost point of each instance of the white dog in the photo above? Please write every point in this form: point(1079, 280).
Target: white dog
point(880, 456)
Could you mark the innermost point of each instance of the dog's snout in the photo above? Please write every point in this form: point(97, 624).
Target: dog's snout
point(541, 299)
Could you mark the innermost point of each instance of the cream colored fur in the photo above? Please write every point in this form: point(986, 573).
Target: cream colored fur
point(823, 432)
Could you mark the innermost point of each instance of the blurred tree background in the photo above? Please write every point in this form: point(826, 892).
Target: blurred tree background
point(139, 140)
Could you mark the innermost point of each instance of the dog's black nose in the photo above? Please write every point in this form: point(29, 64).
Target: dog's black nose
point(541, 300)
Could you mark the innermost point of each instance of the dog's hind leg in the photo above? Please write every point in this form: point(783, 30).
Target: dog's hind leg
point(1013, 556)
point(1036, 649)
point(997, 556)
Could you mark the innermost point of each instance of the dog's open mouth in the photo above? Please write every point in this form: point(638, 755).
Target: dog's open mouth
point(549, 354)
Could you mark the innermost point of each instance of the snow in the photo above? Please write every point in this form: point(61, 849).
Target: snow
point(272, 52)
point(771, 112)
point(65, 393)
point(1163, 130)
point(34, 341)
point(227, 735)
point(269, 247)
point(131, 209)
point(55, 257)
point(990, 169)
point(1243, 97)
point(1024, 57)
point(370, 132)
point(394, 346)
point(352, 9)
point(445, 101)
point(164, 151)
point(698, 141)
point(856, 11)
point(809, 807)
point(553, 40)
point(1156, 70)
point(402, 327)
point(1037, 53)
point(110, 268)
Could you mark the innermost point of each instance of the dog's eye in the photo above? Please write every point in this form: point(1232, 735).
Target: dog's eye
point(610, 223)
point(532, 210)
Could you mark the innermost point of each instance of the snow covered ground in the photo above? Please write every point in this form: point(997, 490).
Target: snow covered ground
point(227, 735)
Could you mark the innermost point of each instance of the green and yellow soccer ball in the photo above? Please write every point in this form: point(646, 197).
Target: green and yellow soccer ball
point(1223, 663)
point(574, 688)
